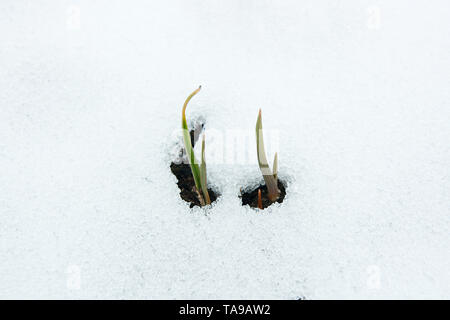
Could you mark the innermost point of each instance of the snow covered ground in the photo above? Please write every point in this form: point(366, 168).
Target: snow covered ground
point(90, 97)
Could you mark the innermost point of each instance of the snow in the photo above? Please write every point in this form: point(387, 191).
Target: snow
point(91, 95)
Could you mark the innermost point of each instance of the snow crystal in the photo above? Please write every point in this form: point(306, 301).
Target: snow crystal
point(91, 96)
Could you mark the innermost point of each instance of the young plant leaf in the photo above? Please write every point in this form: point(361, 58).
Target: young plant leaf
point(188, 147)
point(259, 199)
point(268, 175)
point(200, 197)
point(203, 183)
point(275, 166)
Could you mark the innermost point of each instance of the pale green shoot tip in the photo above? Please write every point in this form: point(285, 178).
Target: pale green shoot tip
point(198, 172)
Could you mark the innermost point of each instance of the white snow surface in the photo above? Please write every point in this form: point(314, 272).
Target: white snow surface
point(91, 95)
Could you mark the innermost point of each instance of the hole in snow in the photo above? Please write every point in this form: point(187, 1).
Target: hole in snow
point(182, 171)
point(250, 197)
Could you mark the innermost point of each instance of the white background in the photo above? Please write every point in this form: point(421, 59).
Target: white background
point(91, 93)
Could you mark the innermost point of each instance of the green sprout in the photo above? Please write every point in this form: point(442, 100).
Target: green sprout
point(270, 177)
point(198, 172)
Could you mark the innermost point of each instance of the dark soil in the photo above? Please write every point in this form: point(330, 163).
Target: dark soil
point(185, 179)
point(251, 197)
point(187, 185)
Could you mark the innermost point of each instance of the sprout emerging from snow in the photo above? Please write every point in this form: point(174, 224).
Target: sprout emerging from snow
point(270, 177)
point(259, 199)
point(198, 172)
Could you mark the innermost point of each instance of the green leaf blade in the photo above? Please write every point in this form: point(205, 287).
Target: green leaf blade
point(195, 169)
